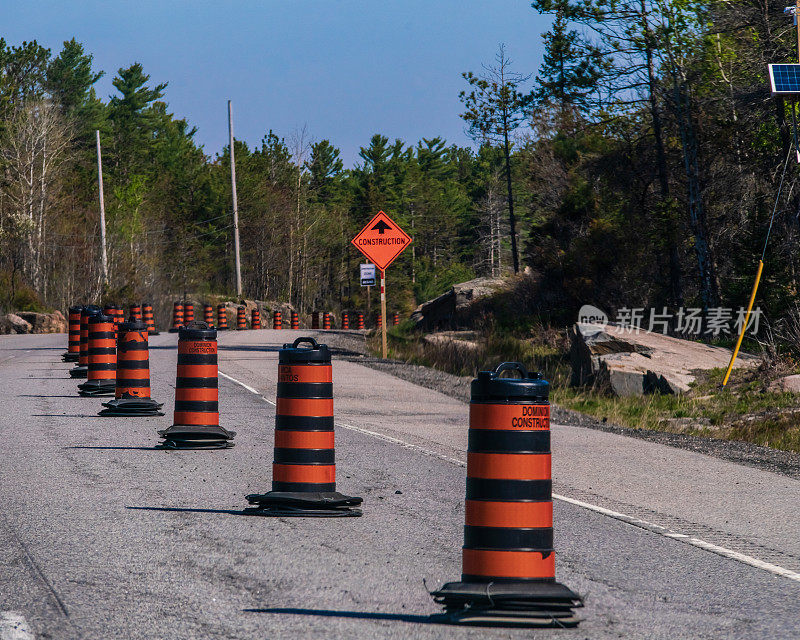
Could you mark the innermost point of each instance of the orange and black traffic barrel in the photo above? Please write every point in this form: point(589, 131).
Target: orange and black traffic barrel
point(315, 320)
point(80, 370)
point(208, 315)
point(102, 355)
point(326, 321)
point(241, 319)
point(188, 312)
point(255, 319)
point(177, 317)
point(345, 321)
point(74, 337)
point(304, 469)
point(135, 313)
point(147, 317)
point(115, 313)
point(222, 318)
point(396, 319)
point(508, 562)
point(295, 320)
point(196, 417)
point(360, 320)
point(277, 320)
point(132, 392)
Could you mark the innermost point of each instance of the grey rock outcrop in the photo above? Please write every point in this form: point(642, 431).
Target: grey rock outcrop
point(446, 309)
point(12, 323)
point(45, 322)
point(629, 363)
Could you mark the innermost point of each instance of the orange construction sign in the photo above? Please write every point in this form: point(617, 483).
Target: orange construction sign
point(381, 240)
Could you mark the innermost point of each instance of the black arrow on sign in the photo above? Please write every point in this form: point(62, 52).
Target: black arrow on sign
point(381, 227)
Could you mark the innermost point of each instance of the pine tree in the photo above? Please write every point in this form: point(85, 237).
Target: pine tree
point(495, 108)
point(569, 74)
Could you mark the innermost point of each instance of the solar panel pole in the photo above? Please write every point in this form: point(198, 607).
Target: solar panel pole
point(797, 24)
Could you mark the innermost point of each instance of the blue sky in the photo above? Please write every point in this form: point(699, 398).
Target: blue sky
point(343, 69)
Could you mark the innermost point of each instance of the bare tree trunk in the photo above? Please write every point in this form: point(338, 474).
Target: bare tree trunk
point(709, 288)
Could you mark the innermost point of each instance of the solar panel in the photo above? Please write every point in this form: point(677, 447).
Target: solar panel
point(784, 79)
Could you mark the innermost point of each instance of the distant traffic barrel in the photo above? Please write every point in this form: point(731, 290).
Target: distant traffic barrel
point(111, 310)
point(188, 312)
point(196, 417)
point(315, 320)
point(132, 391)
point(222, 318)
point(147, 317)
point(396, 319)
point(255, 319)
point(345, 321)
point(208, 315)
point(295, 320)
point(74, 336)
point(118, 314)
point(177, 317)
point(102, 357)
point(379, 321)
point(508, 532)
point(80, 370)
point(241, 319)
point(277, 320)
point(304, 469)
point(360, 320)
point(135, 314)
point(326, 321)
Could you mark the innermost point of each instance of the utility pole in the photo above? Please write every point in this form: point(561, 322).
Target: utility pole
point(104, 255)
point(236, 206)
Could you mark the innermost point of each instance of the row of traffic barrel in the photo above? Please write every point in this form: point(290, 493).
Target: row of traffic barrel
point(508, 560)
point(183, 314)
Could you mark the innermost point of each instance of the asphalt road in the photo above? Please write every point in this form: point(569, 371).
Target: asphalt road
point(102, 536)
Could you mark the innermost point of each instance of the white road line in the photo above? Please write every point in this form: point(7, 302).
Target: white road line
point(13, 626)
point(636, 522)
point(248, 387)
point(682, 537)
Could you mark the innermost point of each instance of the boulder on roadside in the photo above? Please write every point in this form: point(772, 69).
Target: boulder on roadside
point(446, 309)
point(12, 323)
point(790, 384)
point(45, 322)
point(628, 362)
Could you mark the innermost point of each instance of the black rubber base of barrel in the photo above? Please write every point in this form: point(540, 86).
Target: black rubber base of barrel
point(508, 604)
point(314, 504)
point(153, 333)
point(131, 407)
point(174, 330)
point(194, 437)
point(79, 371)
point(94, 388)
point(69, 357)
